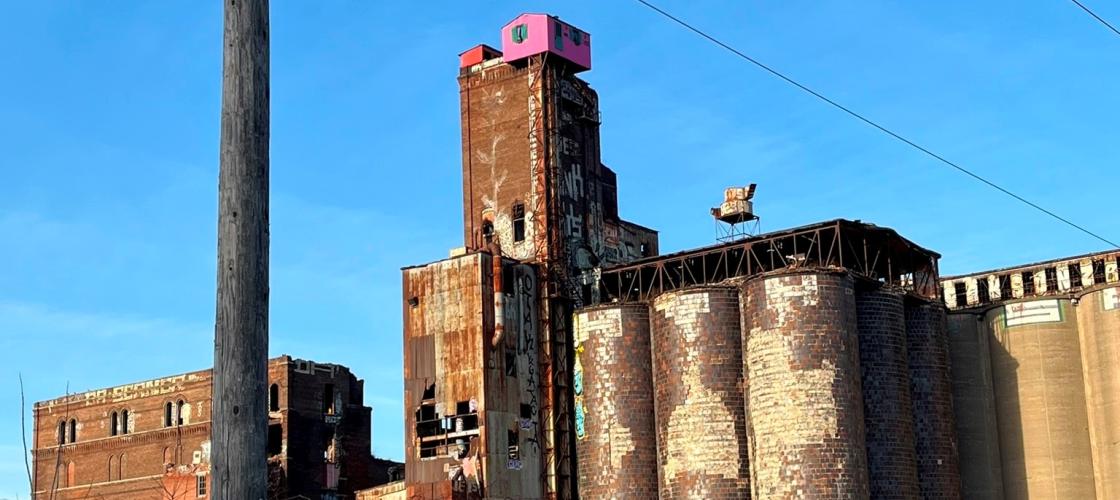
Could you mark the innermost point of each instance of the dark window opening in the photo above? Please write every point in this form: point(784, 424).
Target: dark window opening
point(201, 486)
point(167, 409)
point(519, 33)
point(275, 439)
point(961, 292)
point(1098, 272)
point(179, 412)
point(644, 249)
point(62, 432)
point(414, 302)
point(982, 291)
point(559, 39)
point(124, 422)
point(577, 37)
point(328, 399)
point(526, 411)
point(429, 392)
point(465, 418)
point(513, 441)
point(73, 431)
point(507, 280)
point(1028, 283)
point(511, 363)
point(519, 222)
point(1005, 287)
point(274, 398)
point(487, 232)
point(585, 293)
point(1051, 279)
point(1075, 275)
point(113, 424)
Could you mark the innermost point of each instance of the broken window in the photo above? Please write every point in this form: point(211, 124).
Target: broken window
point(200, 486)
point(1098, 271)
point(511, 363)
point(519, 222)
point(1028, 283)
point(1075, 275)
point(113, 424)
point(1005, 287)
point(982, 291)
point(328, 399)
point(274, 398)
point(466, 419)
point(526, 411)
point(487, 231)
point(513, 441)
point(275, 439)
point(961, 291)
point(1051, 279)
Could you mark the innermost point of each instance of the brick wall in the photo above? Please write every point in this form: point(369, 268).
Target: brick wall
point(932, 395)
point(885, 384)
point(698, 396)
point(616, 444)
point(805, 405)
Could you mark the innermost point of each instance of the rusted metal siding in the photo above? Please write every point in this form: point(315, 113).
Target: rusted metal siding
point(805, 408)
point(616, 444)
point(698, 394)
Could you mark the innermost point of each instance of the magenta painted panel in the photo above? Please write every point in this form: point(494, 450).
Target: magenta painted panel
point(532, 34)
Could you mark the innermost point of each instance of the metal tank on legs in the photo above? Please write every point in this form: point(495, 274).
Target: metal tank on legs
point(698, 396)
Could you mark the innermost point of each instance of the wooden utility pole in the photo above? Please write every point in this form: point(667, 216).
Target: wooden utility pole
point(239, 468)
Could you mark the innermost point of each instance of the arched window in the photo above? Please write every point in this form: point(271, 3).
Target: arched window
point(179, 412)
point(62, 432)
point(124, 422)
point(167, 414)
point(112, 463)
point(70, 473)
point(274, 398)
point(120, 467)
point(113, 424)
point(167, 459)
point(73, 431)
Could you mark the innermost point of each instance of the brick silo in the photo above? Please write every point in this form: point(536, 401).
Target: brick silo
point(974, 407)
point(1098, 317)
point(931, 392)
point(885, 384)
point(1040, 400)
point(803, 387)
point(615, 439)
point(698, 394)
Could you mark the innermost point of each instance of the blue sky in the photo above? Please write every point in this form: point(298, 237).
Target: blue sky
point(109, 132)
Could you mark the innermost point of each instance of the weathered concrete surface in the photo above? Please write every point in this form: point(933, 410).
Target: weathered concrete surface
point(885, 384)
point(698, 394)
point(805, 408)
point(616, 442)
point(1098, 318)
point(974, 407)
point(1040, 402)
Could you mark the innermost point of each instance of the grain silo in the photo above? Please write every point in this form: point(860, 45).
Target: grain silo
point(1040, 400)
point(1098, 318)
point(803, 387)
point(885, 381)
point(974, 407)
point(931, 391)
point(615, 438)
point(698, 396)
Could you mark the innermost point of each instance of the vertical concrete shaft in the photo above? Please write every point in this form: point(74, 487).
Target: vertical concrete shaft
point(698, 394)
point(931, 392)
point(885, 379)
point(1098, 317)
point(616, 444)
point(805, 408)
point(974, 408)
point(1040, 401)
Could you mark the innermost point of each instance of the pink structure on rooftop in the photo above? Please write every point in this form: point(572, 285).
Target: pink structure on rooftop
point(532, 34)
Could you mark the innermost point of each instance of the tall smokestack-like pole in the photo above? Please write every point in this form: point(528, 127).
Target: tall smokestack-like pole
point(239, 468)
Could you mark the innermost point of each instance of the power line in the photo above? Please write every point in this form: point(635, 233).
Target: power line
point(868, 121)
point(1099, 18)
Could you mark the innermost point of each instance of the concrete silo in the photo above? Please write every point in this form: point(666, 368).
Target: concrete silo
point(1098, 318)
point(974, 407)
point(698, 396)
point(1040, 400)
point(615, 438)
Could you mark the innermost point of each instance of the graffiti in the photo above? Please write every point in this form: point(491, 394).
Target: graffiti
point(527, 348)
point(577, 387)
point(513, 464)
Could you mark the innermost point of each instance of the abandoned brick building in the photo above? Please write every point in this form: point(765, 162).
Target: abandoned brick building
point(1036, 378)
point(151, 439)
point(558, 355)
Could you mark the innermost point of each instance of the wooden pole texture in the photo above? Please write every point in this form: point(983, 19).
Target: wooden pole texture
point(240, 412)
